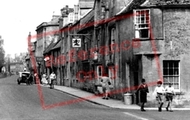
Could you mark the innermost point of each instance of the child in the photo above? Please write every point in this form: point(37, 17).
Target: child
point(169, 96)
point(44, 80)
point(143, 88)
point(105, 83)
point(159, 91)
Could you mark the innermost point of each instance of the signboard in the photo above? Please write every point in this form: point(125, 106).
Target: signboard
point(76, 42)
point(39, 59)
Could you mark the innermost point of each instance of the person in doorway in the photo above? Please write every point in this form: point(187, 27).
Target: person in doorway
point(169, 96)
point(143, 88)
point(52, 78)
point(159, 92)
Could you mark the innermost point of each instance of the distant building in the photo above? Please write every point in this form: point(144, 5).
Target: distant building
point(46, 32)
point(85, 6)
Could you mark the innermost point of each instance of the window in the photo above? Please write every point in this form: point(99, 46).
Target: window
point(112, 44)
point(171, 73)
point(113, 37)
point(141, 21)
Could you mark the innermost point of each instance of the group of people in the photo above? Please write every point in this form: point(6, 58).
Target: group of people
point(48, 80)
point(44, 80)
point(162, 94)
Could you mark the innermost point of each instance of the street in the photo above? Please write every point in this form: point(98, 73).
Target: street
point(21, 102)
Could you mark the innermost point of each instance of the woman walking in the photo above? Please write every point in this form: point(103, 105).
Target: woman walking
point(143, 88)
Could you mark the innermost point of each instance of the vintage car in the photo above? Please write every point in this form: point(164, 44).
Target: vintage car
point(23, 77)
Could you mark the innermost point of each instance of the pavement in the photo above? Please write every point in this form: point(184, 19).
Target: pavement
point(112, 103)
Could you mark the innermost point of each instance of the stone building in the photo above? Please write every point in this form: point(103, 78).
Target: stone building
point(46, 32)
point(138, 39)
point(68, 31)
point(128, 40)
point(157, 44)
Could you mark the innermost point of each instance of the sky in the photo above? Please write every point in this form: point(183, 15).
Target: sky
point(19, 17)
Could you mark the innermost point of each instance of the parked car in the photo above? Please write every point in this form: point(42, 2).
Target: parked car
point(23, 77)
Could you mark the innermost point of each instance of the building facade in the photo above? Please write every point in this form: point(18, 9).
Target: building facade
point(46, 32)
point(134, 41)
point(126, 40)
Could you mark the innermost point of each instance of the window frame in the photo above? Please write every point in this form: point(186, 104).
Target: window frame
point(172, 61)
point(136, 28)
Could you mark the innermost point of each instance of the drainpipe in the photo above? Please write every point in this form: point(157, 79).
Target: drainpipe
point(69, 48)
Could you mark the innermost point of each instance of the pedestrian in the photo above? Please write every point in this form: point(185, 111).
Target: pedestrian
point(52, 78)
point(169, 96)
point(106, 86)
point(30, 79)
point(35, 78)
point(44, 80)
point(159, 92)
point(143, 88)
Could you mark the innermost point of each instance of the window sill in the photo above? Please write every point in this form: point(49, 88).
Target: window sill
point(146, 39)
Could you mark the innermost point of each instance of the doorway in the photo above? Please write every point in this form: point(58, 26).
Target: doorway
point(136, 84)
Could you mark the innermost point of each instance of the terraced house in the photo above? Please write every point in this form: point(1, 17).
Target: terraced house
point(129, 40)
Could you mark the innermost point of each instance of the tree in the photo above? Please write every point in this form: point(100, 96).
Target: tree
point(2, 53)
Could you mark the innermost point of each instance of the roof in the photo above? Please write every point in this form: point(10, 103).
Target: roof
point(87, 20)
point(57, 45)
point(130, 5)
point(155, 3)
point(48, 49)
point(46, 24)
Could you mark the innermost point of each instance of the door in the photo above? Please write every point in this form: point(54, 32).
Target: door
point(136, 83)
